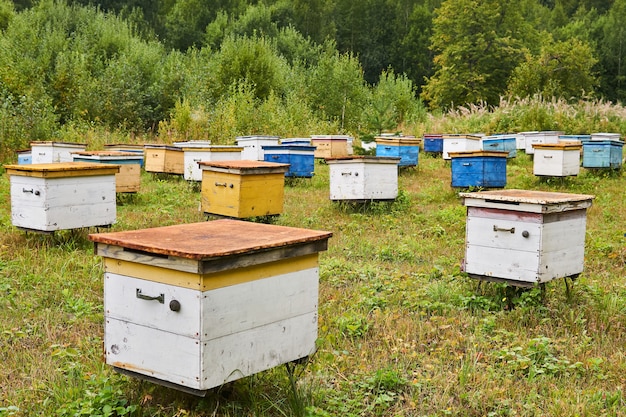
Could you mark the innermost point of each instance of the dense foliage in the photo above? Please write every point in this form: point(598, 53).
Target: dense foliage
point(246, 67)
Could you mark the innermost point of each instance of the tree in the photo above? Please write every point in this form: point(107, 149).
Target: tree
point(477, 45)
point(612, 52)
point(563, 69)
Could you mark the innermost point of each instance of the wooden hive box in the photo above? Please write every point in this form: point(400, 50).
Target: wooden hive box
point(24, 157)
point(520, 139)
point(524, 237)
point(164, 159)
point(330, 146)
point(197, 154)
point(59, 196)
point(128, 179)
point(195, 306)
point(559, 159)
point(243, 188)
point(405, 148)
point(433, 143)
point(300, 158)
point(540, 138)
point(478, 169)
point(49, 152)
point(459, 143)
point(501, 143)
point(602, 154)
point(605, 136)
point(363, 178)
point(253, 146)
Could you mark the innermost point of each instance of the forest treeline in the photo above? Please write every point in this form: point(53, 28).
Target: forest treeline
point(225, 67)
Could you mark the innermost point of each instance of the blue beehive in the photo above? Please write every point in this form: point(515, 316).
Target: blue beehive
point(407, 149)
point(478, 169)
point(502, 143)
point(602, 154)
point(433, 143)
point(301, 158)
point(24, 157)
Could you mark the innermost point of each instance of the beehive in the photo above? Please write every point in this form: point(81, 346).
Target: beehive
point(196, 154)
point(433, 143)
point(24, 157)
point(58, 196)
point(520, 139)
point(524, 237)
point(363, 178)
point(242, 189)
point(253, 146)
point(49, 152)
point(128, 178)
point(164, 159)
point(197, 305)
point(602, 154)
point(478, 169)
point(500, 143)
point(301, 159)
point(405, 148)
point(559, 159)
point(459, 143)
point(330, 146)
point(540, 138)
point(127, 147)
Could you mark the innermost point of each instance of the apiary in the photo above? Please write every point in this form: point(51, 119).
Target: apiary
point(559, 159)
point(196, 154)
point(524, 237)
point(478, 169)
point(253, 146)
point(405, 148)
point(500, 143)
point(164, 159)
point(48, 152)
point(433, 143)
point(460, 143)
point(24, 157)
point(243, 188)
point(540, 138)
point(363, 178)
point(128, 178)
point(301, 159)
point(602, 154)
point(194, 306)
point(65, 195)
point(330, 146)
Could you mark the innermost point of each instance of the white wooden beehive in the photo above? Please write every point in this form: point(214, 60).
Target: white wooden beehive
point(193, 155)
point(48, 152)
point(363, 178)
point(539, 138)
point(50, 197)
point(253, 146)
point(460, 143)
point(525, 237)
point(195, 306)
point(560, 159)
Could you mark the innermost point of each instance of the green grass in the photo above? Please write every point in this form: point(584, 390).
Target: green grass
point(402, 332)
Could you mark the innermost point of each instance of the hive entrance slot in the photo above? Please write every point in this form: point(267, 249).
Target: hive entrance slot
point(143, 252)
point(512, 203)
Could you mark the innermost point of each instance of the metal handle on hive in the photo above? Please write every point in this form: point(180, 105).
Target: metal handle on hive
point(24, 190)
point(502, 229)
point(223, 184)
point(160, 298)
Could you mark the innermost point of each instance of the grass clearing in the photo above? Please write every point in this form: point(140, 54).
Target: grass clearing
point(402, 332)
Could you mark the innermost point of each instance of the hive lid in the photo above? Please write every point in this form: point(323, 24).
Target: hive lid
point(564, 145)
point(461, 136)
point(163, 146)
point(62, 169)
point(57, 143)
point(244, 166)
point(213, 239)
point(523, 199)
point(364, 158)
point(109, 153)
point(403, 140)
point(464, 154)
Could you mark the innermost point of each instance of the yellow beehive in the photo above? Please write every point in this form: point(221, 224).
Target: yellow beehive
point(330, 146)
point(164, 159)
point(242, 189)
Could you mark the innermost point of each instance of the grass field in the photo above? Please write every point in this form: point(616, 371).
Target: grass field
point(402, 331)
